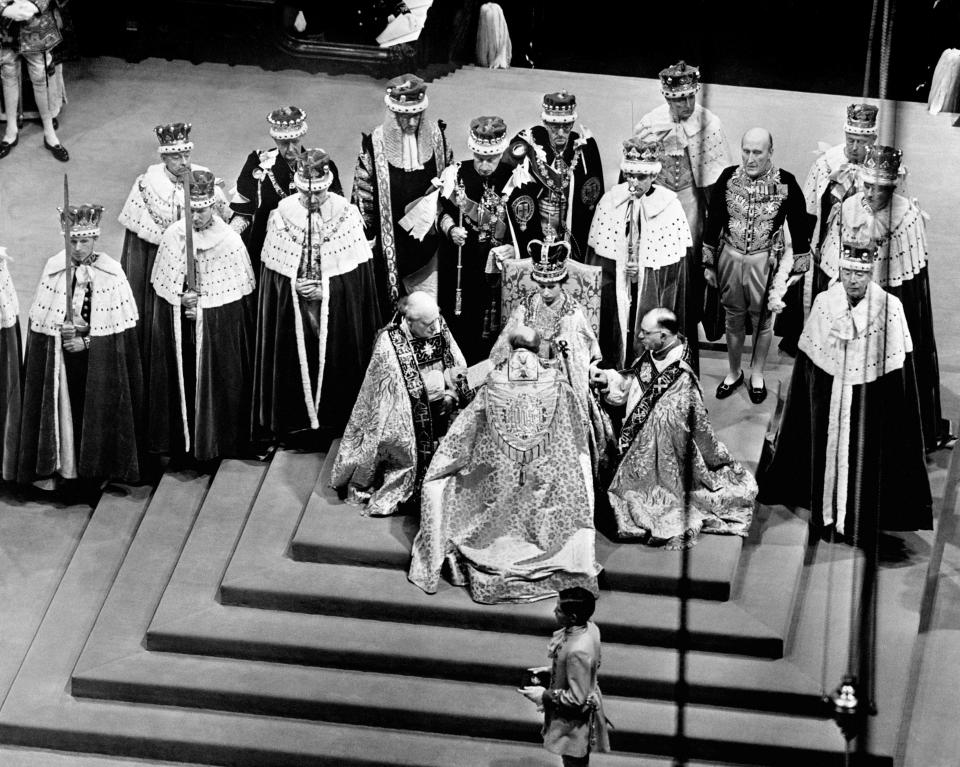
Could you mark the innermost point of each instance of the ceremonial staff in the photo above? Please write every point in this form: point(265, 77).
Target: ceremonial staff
point(458, 300)
point(458, 304)
point(187, 177)
point(67, 255)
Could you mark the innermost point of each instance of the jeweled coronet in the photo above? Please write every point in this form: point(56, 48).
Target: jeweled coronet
point(174, 138)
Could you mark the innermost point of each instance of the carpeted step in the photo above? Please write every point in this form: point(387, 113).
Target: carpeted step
point(23, 757)
point(368, 592)
point(334, 532)
point(478, 656)
point(449, 707)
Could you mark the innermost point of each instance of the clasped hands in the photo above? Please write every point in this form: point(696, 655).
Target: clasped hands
point(72, 337)
point(188, 300)
point(309, 290)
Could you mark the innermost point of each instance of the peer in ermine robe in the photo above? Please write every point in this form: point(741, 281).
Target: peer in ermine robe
point(11, 372)
point(318, 315)
point(850, 444)
point(83, 384)
point(201, 348)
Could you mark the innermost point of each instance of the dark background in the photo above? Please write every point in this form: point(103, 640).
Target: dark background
point(807, 45)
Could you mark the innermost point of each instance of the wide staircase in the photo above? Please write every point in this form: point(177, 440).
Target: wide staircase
point(253, 618)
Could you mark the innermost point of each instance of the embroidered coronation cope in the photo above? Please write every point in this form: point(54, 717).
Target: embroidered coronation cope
point(667, 436)
point(507, 501)
point(379, 448)
point(574, 347)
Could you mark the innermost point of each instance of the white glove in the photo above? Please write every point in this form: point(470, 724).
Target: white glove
point(434, 384)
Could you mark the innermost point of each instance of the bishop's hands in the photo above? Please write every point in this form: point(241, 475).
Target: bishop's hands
point(309, 290)
point(599, 378)
point(710, 275)
point(188, 300)
point(20, 10)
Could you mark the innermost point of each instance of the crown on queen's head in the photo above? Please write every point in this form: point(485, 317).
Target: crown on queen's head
point(641, 155)
point(174, 138)
point(287, 123)
point(858, 256)
point(488, 136)
point(82, 220)
point(313, 172)
point(560, 107)
point(406, 94)
point(861, 120)
point(881, 165)
point(679, 80)
point(202, 189)
point(549, 257)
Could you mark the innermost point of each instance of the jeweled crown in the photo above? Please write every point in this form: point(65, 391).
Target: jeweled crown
point(488, 135)
point(313, 171)
point(861, 119)
point(174, 137)
point(881, 165)
point(858, 256)
point(406, 94)
point(203, 185)
point(82, 220)
point(287, 123)
point(641, 154)
point(679, 80)
point(560, 107)
point(549, 257)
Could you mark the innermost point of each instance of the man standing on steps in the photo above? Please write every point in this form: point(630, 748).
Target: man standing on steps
point(695, 154)
point(410, 393)
point(83, 385)
point(398, 161)
point(201, 353)
point(267, 178)
point(574, 724)
point(566, 166)
point(745, 253)
point(895, 223)
point(318, 313)
point(833, 178)
point(640, 238)
point(155, 202)
point(667, 442)
point(850, 441)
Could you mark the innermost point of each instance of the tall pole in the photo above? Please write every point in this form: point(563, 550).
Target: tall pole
point(67, 255)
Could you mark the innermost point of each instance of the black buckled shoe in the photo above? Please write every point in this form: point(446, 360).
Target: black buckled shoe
point(59, 151)
point(757, 394)
point(724, 390)
point(6, 146)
